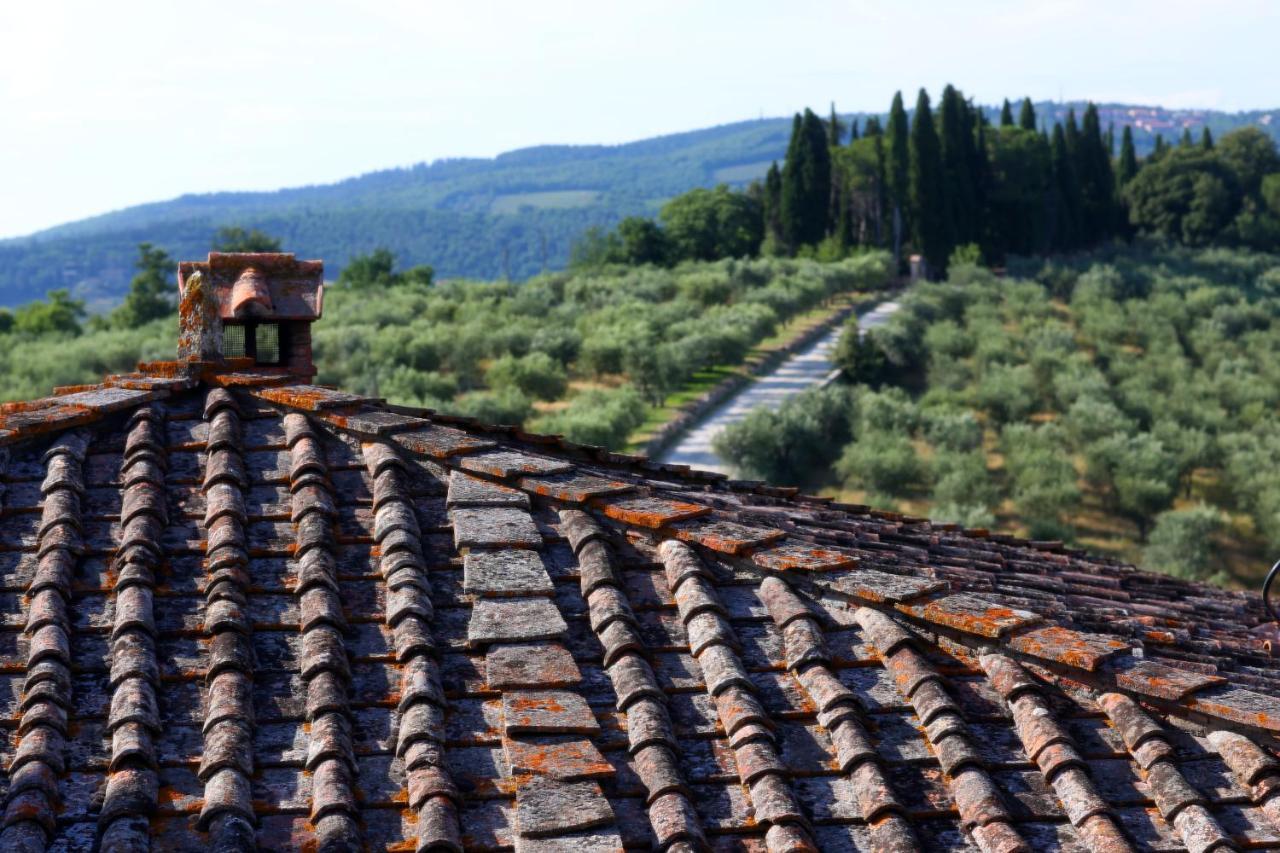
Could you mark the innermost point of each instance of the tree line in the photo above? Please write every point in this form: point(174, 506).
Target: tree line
point(945, 179)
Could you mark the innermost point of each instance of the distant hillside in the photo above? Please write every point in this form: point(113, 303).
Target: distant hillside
point(516, 214)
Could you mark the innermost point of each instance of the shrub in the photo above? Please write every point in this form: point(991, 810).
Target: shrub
point(602, 418)
point(1181, 542)
point(535, 375)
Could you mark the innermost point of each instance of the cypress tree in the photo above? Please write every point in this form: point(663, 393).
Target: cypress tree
point(980, 169)
point(928, 212)
point(1072, 131)
point(1027, 116)
point(957, 161)
point(1066, 204)
point(1097, 183)
point(873, 127)
point(790, 190)
point(773, 205)
point(1159, 146)
point(853, 131)
point(806, 182)
point(835, 128)
point(1206, 139)
point(897, 159)
point(1110, 139)
point(1006, 114)
point(1185, 141)
point(1128, 166)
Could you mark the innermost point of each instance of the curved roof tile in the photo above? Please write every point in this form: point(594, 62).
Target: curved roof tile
point(239, 611)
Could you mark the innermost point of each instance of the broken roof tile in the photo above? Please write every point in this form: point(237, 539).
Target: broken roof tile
point(573, 487)
point(971, 614)
point(728, 537)
point(651, 512)
point(1068, 646)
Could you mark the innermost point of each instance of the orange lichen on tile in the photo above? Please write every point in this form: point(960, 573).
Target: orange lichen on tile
point(970, 614)
point(171, 369)
point(791, 556)
point(248, 378)
point(1068, 646)
point(650, 512)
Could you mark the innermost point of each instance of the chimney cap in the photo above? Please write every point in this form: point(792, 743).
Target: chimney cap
point(260, 285)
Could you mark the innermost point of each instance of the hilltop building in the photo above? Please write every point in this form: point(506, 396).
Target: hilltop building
point(241, 611)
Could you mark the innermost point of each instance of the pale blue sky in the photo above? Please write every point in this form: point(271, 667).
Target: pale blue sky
point(105, 105)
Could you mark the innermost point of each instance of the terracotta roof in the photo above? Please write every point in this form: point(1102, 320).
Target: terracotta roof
point(239, 612)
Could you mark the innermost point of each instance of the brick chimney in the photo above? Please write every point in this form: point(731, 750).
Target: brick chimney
point(250, 305)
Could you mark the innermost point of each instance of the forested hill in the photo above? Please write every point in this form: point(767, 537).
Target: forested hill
point(513, 215)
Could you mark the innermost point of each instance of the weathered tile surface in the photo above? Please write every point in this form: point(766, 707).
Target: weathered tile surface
point(505, 573)
point(514, 620)
point(462, 637)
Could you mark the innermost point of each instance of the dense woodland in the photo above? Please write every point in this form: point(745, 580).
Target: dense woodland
point(1125, 400)
point(948, 178)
